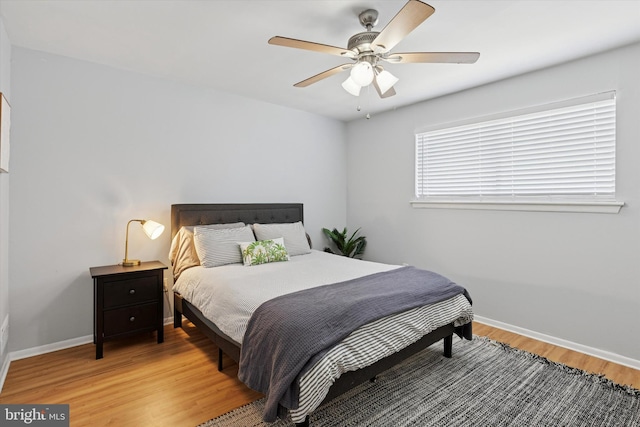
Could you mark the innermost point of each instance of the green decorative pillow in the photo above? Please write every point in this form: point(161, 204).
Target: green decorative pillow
point(264, 251)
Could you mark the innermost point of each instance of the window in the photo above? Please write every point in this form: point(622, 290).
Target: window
point(559, 154)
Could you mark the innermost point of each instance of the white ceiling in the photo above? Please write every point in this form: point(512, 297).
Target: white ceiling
point(223, 44)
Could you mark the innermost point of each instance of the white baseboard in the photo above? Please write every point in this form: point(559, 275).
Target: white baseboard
point(5, 371)
point(591, 351)
point(48, 348)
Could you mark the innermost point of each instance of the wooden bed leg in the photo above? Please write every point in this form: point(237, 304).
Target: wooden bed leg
point(219, 360)
point(177, 311)
point(177, 319)
point(305, 423)
point(448, 346)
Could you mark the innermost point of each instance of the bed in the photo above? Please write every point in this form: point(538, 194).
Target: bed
point(322, 378)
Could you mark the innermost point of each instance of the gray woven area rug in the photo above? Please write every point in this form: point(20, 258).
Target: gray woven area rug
point(484, 384)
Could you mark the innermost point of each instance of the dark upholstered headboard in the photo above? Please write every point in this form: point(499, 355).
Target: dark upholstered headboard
point(249, 213)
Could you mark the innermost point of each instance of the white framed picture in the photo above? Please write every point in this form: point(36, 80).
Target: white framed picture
point(5, 127)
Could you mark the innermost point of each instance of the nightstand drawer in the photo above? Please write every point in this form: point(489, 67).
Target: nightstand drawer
point(130, 291)
point(130, 319)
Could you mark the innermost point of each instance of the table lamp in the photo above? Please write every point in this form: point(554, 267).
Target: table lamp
point(151, 229)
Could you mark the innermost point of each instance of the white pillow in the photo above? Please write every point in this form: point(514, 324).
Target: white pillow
point(295, 237)
point(263, 251)
point(217, 247)
point(182, 253)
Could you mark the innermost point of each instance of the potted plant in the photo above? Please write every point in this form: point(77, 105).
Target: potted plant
point(352, 246)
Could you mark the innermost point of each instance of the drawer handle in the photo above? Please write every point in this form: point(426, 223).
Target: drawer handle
point(132, 318)
point(132, 291)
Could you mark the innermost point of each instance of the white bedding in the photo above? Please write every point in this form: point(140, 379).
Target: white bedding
point(228, 295)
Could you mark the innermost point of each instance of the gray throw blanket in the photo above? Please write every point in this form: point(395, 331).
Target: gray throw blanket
point(286, 332)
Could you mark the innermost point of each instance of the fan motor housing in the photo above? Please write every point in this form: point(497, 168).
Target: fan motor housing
point(361, 42)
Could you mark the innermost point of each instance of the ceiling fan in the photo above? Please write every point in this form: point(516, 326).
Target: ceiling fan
point(367, 49)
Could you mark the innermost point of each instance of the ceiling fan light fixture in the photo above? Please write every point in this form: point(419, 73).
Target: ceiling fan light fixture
point(385, 81)
point(352, 87)
point(362, 73)
point(368, 48)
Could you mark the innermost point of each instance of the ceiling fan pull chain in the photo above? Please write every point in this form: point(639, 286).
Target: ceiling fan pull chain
point(367, 101)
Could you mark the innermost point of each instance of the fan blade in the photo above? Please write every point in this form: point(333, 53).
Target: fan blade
point(410, 16)
point(433, 57)
point(316, 47)
point(323, 75)
point(387, 94)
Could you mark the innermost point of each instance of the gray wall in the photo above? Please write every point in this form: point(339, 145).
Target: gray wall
point(5, 80)
point(94, 147)
point(574, 276)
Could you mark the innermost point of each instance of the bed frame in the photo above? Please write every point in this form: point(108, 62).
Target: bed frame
point(202, 214)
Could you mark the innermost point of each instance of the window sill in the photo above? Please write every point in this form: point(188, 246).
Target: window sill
point(612, 207)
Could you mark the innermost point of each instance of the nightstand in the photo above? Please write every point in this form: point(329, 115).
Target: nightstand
point(127, 301)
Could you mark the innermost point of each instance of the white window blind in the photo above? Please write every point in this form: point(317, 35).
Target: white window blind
point(564, 151)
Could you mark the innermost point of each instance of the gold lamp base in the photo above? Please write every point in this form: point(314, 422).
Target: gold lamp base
point(130, 262)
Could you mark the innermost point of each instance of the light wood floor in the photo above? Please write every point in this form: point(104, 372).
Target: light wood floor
point(141, 383)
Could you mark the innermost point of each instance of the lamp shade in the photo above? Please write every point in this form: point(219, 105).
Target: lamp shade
point(362, 73)
point(385, 81)
point(352, 87)
point(152, 229)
